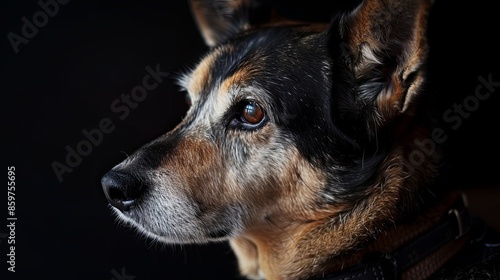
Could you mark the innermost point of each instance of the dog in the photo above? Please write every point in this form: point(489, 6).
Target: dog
point(308, 146)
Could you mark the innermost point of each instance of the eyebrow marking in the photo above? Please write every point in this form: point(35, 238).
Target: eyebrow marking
point(196, 81)
point(239, 78)
point(201, 75)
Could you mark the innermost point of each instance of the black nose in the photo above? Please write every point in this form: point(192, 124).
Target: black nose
point(121, 189)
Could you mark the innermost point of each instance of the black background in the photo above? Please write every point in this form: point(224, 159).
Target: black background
point(66, 77)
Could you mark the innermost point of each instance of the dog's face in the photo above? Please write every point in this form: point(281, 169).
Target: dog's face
point(289, 124)
point(251, 146)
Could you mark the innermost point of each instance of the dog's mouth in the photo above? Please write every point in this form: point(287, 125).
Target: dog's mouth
point(179, 221)
point(164, 234)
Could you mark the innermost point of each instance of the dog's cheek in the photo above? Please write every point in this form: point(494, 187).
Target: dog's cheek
point(196, 170)
point(272, 178)
point(254, 159)
point(300, 186)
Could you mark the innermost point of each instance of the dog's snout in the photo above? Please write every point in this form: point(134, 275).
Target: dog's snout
point(121, 189)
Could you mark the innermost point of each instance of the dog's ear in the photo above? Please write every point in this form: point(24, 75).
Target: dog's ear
point(218, 20)
point(380, 48)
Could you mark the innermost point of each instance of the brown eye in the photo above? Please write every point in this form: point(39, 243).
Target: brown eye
point(252, 113)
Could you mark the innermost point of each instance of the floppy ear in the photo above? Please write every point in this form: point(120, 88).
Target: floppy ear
point(379, 53)
point(218, 20)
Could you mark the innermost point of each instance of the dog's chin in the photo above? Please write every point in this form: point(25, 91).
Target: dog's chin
point(171, 233)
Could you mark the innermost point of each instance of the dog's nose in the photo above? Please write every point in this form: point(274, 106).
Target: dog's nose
point(121, 189)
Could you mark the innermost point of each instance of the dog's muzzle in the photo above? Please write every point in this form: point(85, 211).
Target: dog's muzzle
point(122, 189)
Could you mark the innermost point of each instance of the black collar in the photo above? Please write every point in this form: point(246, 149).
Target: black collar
point(419, 258)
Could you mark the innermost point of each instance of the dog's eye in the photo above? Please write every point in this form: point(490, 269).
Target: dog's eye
point(252, 113)
point(248, 115)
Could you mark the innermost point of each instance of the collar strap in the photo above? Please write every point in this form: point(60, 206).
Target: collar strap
point(420, 257)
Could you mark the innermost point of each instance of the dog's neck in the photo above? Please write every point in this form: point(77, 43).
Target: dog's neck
point(317, 249)
point(415, 249)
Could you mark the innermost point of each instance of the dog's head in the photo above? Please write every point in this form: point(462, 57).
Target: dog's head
point(290, 124)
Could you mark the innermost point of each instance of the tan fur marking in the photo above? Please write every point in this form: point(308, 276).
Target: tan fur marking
point(390, 102)
point(362, 26)
point(237, 79)
point(201, 75)
point(194, 160)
